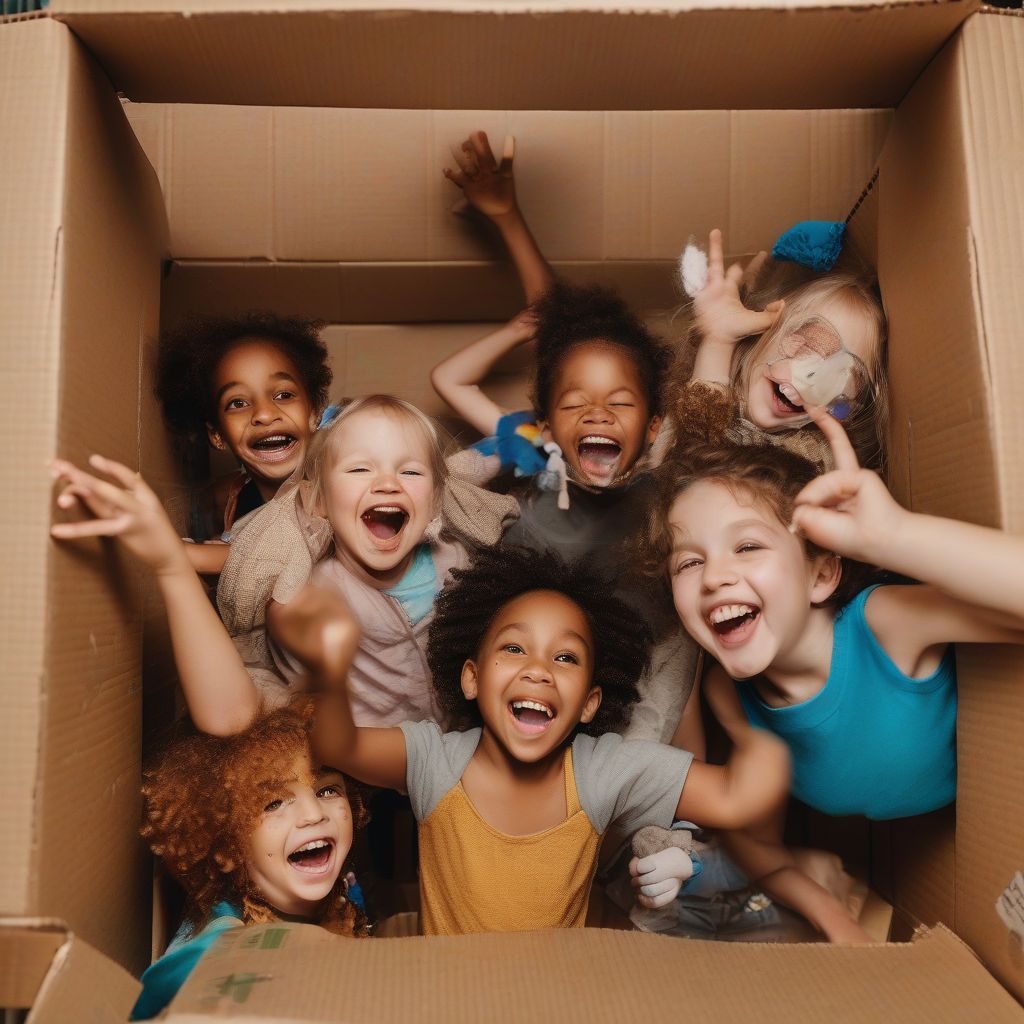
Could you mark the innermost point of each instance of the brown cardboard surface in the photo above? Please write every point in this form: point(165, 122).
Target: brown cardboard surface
point(62, 979)
point(83, 231)
point(291, 972)
point(366, 185)
point(460, 55)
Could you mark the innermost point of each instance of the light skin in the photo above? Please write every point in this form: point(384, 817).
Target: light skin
point(221, 697)
point(538, 649)
point(723, 322)
point(728, 549)
point(297, 849)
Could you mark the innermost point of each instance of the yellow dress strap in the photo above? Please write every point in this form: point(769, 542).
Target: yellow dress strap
point(572, 797)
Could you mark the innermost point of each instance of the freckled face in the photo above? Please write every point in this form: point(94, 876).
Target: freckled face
point(599, 414)
point(297, 849)
point(533, 676)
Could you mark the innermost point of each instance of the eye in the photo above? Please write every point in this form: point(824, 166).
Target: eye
point(622, 405)
point(749, 546)
point(235, 403)
point(333, 789)
point(571, 408)
point(284, 396)
point(273, 806)
point(358, 469)
point(684, 564)
point(512, 649)
point(567, 658)
point(412, 472)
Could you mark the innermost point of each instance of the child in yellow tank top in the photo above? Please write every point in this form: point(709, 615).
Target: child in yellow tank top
point(538, 660)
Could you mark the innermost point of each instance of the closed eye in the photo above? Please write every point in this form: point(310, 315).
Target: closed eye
point(750, 547)
point(686, 563)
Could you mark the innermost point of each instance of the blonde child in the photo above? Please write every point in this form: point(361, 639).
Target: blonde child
point(860, 682)
point(750, 365)
point(253, 831)
point(254, 386)
point(542, 660)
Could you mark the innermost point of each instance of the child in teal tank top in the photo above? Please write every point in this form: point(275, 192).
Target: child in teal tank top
point(768, 565)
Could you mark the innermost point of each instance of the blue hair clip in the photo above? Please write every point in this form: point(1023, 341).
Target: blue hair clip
point(811, 243)
point(329, 415)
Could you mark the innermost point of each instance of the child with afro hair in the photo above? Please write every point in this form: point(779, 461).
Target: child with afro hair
point(513, 810)
point(252, 830)
point(254, 385)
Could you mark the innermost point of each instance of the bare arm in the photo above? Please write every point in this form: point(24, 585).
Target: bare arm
point(319, 629)
point(220, 695)
point(489, 187)
point(457, 378)
point(208, 558)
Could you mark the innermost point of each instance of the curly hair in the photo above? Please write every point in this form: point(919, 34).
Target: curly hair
point(188, 357)
point(568, 316)
point(763, 472)
point(466, 607)
point(203, 797)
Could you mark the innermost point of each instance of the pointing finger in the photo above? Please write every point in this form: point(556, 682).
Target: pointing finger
point(716, 261)
point(842, 450)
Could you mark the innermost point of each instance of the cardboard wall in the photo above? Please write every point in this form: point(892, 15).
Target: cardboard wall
point(950, 253)
point(80, 293)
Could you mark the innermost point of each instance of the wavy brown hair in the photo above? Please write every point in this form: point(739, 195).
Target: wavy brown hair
point(204, 796)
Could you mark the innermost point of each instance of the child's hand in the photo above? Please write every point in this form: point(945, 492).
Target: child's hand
point(720, 314)
point(127, 509)
point(658, 877)
point(486, 184)
point(849, 510)
point(317, 626)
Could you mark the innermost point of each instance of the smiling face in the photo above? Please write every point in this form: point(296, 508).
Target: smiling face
point(379, 491)
point(599, 416)
point(264, 414)
point(742, 584)
point(297, 849)
point(532, 677)
point(771, 400)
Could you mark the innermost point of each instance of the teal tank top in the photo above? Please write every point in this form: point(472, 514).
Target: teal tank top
point(873, 741)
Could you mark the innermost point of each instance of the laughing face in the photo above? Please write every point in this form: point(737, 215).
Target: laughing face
point(773, 401)
point(264, 415)
point(742, 584)
point(532, 677)
point(379, 491)
point(297, 849)
point(599, 414)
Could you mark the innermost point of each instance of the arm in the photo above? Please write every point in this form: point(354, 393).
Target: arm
point(209, 557)
point(759, 850)
point(220, 695)
point(721, 318)
point(976, 591)
point(319, 629)
point(490, 188)
point(457, 378)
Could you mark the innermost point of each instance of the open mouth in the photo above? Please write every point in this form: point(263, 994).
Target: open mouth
point(787, 398)
point(733, 622)
point(532, 716)
point(313, 857)
point(274, 447)
point(598, 456)
point(385, 523)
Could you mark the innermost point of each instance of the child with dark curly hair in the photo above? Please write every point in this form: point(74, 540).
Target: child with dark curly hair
point(253, 830)
point(537, 660)
point(253, 385)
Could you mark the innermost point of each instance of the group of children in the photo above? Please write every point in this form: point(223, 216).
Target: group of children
point(487, 664)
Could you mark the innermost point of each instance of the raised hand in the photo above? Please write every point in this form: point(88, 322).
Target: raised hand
point(849, 510)
point(126, 509)
point(487, 184)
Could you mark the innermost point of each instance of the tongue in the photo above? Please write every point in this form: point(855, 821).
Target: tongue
point(731, 625)
point(383, 525)
point(598, 457)
point(531, 716)
point(311, 858)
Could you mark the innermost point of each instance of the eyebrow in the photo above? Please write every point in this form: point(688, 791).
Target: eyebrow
point(280, 375)
point(524, 627)
point(688, 544)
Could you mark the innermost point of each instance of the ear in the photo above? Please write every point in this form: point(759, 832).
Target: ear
point(590, 706)
point(827, 572)
point(469, 680)
point(653, 429)
point(213, 436)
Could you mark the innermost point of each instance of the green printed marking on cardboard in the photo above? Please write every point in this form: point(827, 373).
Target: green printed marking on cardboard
point(264, 938)
point(239, 986)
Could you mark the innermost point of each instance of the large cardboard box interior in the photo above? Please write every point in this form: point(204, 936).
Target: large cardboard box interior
point(328, 200)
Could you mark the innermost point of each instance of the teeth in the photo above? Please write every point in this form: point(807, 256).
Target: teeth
point(313, 844)
point(387, 508)
point(730, 611)
point(533, 705)
point(791, 393)
point(596, 439)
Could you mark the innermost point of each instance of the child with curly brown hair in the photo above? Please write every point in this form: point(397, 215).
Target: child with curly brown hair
point(254, 385)
point(253, 830)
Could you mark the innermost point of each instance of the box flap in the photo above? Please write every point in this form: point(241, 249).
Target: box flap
point(45, 967)
point(531, 56)
point(299, 972)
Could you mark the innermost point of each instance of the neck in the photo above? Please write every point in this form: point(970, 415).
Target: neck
point(802, 671)
point(379, 579)
point(491, 753)
point(267, 488)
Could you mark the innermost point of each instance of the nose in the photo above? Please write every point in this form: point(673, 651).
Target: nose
point(598, 414)
point(719, 571)
point(265, 411)
point(308, 810)
point(386, 482)
point(536, 670)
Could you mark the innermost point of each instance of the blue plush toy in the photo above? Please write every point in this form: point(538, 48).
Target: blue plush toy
point(811, 243)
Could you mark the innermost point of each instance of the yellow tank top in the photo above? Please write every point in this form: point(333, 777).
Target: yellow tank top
point(474, 878)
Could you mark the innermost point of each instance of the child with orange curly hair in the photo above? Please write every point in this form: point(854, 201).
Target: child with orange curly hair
point(253, 830)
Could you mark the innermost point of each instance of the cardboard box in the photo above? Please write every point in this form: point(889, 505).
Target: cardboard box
point(629, 141)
